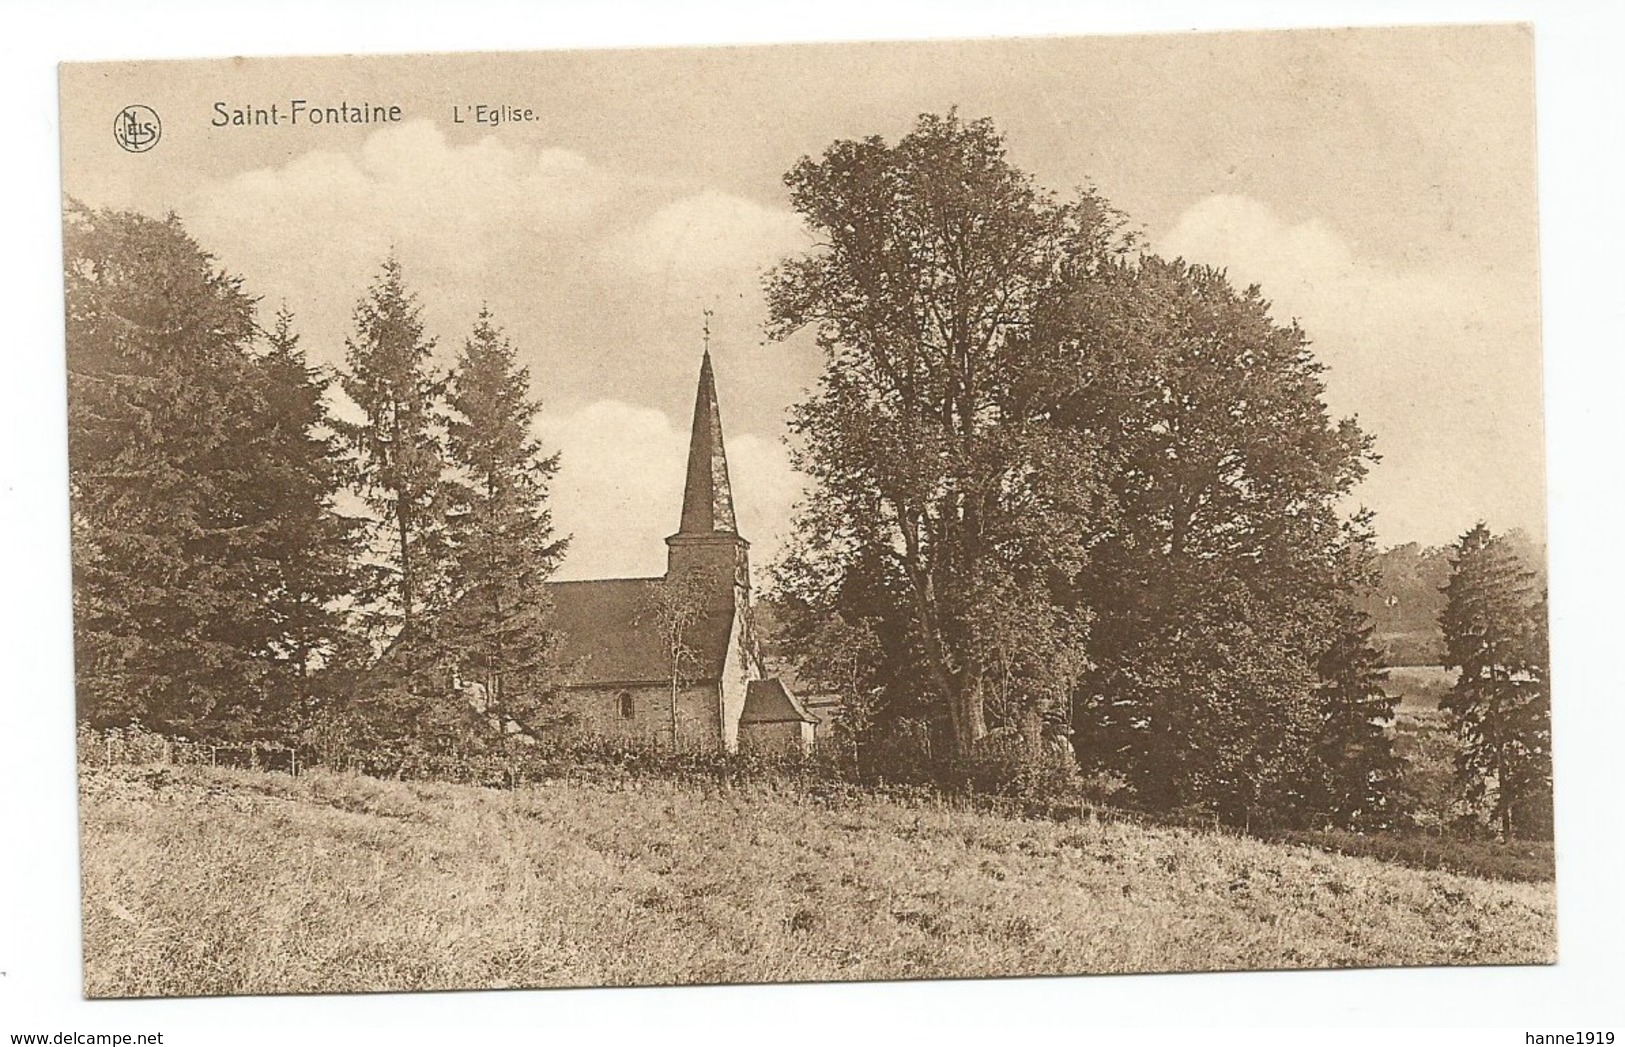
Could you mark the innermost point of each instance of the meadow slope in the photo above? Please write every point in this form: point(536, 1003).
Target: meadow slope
point(200, 881)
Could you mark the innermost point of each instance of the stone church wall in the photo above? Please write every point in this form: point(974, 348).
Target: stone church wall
point(601, 712)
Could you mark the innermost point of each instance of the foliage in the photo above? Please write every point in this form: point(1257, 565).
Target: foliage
point(134, 744)
point(1494, 625)
point(1354, 772)
point(399, 457)
point(497, 626)
point(1405, 604)
point(309, 546)
point(1408, 598)
point(1431, 795)
point(197, 485)
point(1216, 588)
point(926, 442)
point(1047, 474)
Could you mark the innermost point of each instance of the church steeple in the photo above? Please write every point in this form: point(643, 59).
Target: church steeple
point(708, 540)
point(708, 506)
point(707, 552)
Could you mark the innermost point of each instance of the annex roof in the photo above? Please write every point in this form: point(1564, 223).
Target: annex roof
point(767, 701)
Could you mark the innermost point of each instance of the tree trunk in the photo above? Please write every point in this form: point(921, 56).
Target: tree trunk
point(967, 716)
point(1504, 787)
point(406, 587)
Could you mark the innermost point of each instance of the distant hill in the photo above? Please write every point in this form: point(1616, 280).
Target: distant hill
point(1406, 604)
point(1409, 598)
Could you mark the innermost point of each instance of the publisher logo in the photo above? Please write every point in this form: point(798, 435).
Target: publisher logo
point(137, 128)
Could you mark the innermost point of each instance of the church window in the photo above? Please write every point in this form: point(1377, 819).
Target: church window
point(626, 705)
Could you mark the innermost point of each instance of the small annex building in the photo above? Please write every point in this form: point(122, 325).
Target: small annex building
point(675, 660)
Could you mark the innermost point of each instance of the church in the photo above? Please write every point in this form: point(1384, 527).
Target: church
point(675, 660)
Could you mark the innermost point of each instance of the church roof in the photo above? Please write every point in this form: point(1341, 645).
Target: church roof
point(612, 631)
point(611, 634)
point(767, 701)
point(708, 505)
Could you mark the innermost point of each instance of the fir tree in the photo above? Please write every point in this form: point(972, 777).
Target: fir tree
point(167, 532)
point(208, 556)
point(1355, 771)
point(399, 459)
point(310, 545)
point(498, 627)
point(1500, 706)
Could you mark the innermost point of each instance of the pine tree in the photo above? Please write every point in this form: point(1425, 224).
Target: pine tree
point(498, 627)
point(1355, 771)
point(167, 531)
point(1500, 706)
point(399, 460)
point(310, 545)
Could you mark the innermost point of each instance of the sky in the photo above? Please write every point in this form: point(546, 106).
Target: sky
point(1378, 184)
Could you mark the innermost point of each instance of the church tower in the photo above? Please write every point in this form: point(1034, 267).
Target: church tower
point(709, 559)
point(707, 540)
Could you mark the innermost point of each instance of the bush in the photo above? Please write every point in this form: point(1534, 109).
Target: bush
point(1011, 767)
point(135, 744)
point(1042, 776)
point(1521, 861)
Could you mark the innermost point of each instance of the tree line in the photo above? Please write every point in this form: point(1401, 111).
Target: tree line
point(242, 553)
point(1067, 486)
point(1061, 490)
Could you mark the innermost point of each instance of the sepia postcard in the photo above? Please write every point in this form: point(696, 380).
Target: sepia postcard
point(808, 513)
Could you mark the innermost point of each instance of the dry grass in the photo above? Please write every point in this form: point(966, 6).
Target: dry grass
point(202, 881)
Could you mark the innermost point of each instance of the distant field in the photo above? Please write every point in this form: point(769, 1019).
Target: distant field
point(205, 881)
point(1419, 686)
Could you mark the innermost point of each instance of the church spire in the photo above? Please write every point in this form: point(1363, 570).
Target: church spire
point(708, 505)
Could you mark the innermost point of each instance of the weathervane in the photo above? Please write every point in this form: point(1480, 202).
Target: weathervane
point(705, 327)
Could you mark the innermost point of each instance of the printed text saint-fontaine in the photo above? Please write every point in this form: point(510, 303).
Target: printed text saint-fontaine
point(300, 112)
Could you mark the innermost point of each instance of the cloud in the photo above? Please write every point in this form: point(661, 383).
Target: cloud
point(598, 277)
point(619, 490)
point(470, 222)
point(1440, 364)
point(703, 246)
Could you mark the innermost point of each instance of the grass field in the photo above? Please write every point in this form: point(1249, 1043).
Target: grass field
point(203, 881)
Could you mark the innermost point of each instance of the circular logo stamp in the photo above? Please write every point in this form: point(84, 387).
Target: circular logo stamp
point(137, 128)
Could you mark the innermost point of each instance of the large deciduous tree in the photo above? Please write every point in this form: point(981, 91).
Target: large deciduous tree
point(1045, 470)
point(1218, 586)
point(504, 550)
point(399, 455)
point(927, 439)
point(1494, 625)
